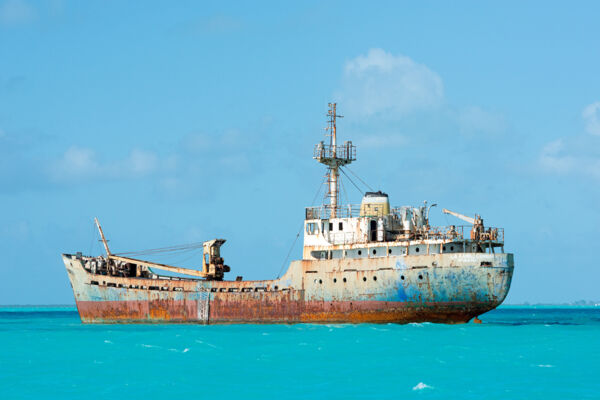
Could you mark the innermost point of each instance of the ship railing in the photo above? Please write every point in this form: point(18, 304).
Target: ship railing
point(347, 152)
point(462, 232)
point(324, 212)
point(344, 238)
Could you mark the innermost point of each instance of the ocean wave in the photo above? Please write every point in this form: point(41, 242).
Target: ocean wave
point(545, 365)
point(208, 344)
point(419, 324)
point(180, 351)
point(421, 386)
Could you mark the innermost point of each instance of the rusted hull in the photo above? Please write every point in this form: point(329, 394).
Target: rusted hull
point(286, 312)
point(375, 290)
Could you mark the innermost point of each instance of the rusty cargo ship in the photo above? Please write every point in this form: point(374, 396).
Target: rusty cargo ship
point(360, 263)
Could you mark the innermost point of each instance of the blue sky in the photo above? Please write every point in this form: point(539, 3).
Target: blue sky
point(176, 122)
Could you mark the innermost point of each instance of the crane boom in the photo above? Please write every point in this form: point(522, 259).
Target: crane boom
point(102, 236)
point(212, 263)
point(170, 268)
point(457, 215)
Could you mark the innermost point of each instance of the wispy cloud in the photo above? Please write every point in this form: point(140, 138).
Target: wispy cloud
point(591, 118)
point(16, 12)
point(216, 24)
point(577, 154)
point(381, 82)
point(79, 164)
point(475, 120)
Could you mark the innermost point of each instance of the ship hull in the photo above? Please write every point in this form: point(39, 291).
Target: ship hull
point(437, 288)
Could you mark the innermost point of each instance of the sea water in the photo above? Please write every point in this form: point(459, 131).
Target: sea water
point(516, 353)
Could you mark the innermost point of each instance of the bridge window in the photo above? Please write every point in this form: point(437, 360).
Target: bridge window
point(341, 226)
point(312, 228)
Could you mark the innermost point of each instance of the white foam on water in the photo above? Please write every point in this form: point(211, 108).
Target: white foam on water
point(208, 344)
point(380, 329)
point(545, 365)
point(421, 386)
point(108, 341)
point(185, 350)
point(148, 345)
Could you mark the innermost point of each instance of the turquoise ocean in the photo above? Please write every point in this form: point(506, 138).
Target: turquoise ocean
point(517, 353)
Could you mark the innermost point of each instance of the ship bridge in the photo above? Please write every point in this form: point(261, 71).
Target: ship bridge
point(335, 230)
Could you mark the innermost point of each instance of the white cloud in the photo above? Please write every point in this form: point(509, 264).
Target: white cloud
point(578, 154)
point(564, 158)
point(15, 12)
point(381, 82)
point(591, 117)
point(16, 230)
point(80, 164)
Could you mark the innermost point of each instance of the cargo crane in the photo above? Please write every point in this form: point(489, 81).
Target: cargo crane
point(477, 232)
point(213, 267)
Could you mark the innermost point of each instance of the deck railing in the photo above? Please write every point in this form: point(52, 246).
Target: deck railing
point(324, 212)
point(347, 152)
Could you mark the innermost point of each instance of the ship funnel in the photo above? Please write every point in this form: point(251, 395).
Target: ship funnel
point(375, 204)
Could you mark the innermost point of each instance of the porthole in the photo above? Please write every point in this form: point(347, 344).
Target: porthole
point(451, 248)
point(334, 280)
point(402, 277)
point(359, 252)
point(374, 251)
point(364, 278)
point(374, 278)
point(444, 248)
point(344, 280)
point(417, 249)
point(276, 287)
point(420, 276)
point(320, 280)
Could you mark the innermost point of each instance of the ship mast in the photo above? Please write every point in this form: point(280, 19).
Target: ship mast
point(334, 156)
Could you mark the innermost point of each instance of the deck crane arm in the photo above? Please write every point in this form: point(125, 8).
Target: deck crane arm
point(460, 216)
point(212, 262)
point(478, 231)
